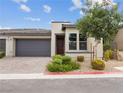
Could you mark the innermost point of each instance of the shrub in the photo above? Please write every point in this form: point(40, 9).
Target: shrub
point(57, 61)
point(106, 47)
point(59, 68)
point(66, 68)
point(80, 58)
point(75, 65)
point(2, 54)
point(53, 67)
point(66, 59)
point(63, 68)
point(57, 56)
point(62, 65)
point(108, 55)
point(98, 64)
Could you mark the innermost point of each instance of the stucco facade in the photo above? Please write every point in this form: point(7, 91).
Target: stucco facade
point(56, 29)
point(119, 39)
point(91, 42)
point(11, 43)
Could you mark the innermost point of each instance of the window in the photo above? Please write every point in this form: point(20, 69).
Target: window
point(82, 42)
point(73, 41)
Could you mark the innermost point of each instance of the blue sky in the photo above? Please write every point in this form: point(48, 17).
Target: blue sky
point(39, 13)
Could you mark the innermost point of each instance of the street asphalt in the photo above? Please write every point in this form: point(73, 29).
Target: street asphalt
point(84, 85)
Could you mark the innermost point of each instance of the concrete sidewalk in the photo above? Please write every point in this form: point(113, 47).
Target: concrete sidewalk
point(42, 76)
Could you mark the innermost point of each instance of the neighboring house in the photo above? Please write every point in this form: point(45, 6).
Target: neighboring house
point(119, 39)
point(63, 38)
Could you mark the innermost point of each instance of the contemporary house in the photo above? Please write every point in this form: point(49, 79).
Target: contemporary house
point(63, 38)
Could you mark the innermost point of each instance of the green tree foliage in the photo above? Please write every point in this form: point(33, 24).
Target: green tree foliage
point(101, 21)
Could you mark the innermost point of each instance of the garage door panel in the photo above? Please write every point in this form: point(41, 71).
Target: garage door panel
point(33, 47)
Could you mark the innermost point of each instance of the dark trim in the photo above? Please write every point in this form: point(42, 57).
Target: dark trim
point(60, 22)
point(64, 26)
point(61, 34)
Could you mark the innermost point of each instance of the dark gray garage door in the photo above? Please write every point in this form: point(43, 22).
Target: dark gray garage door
point(2, 45)
point(33, 47)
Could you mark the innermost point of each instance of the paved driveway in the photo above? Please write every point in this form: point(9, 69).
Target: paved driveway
point(23, 65)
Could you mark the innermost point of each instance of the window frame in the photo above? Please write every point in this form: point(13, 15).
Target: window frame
point(82, 41)
point(77, 44)
point(73, 41)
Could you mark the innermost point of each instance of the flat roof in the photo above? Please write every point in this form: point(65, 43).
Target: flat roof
point(25, 32)
point(60, 22)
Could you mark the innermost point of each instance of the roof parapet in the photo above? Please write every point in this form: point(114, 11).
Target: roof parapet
point(64, 26)
point(60, 22)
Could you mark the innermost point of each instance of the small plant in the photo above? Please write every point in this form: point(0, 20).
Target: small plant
point(75, 65)
point(57, 56)
point(57, 61)
point(53, 67)
point(80, 58)
point(62, 64)
point(98, 64)
point(2, 54)
point(58, 68)
point(63, 68)
point(66, 59)
point(66, 68)
point(108, 55)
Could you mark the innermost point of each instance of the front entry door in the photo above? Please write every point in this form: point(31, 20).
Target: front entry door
point(60, 44)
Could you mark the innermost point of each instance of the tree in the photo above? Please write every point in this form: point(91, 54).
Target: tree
point(86, 6)
point(101, 21)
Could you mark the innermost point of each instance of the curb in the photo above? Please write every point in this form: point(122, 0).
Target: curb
point(82, 73)
point(64, 76)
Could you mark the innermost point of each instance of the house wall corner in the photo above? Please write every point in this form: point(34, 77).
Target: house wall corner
point(93, 45)
point(10, 47)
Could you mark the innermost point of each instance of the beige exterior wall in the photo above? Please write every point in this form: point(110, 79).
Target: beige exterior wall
point(87, 56)
point(3, 37)
point(57, 29)
point(96, 46)
point(67, 32)
point(11, 42)
point(74, 53)
point(119, 39)
point(10, 46)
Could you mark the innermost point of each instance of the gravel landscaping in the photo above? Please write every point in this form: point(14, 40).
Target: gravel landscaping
point(109, 66)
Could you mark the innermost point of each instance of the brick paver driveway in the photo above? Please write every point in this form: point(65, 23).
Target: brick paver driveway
point(22, 65)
